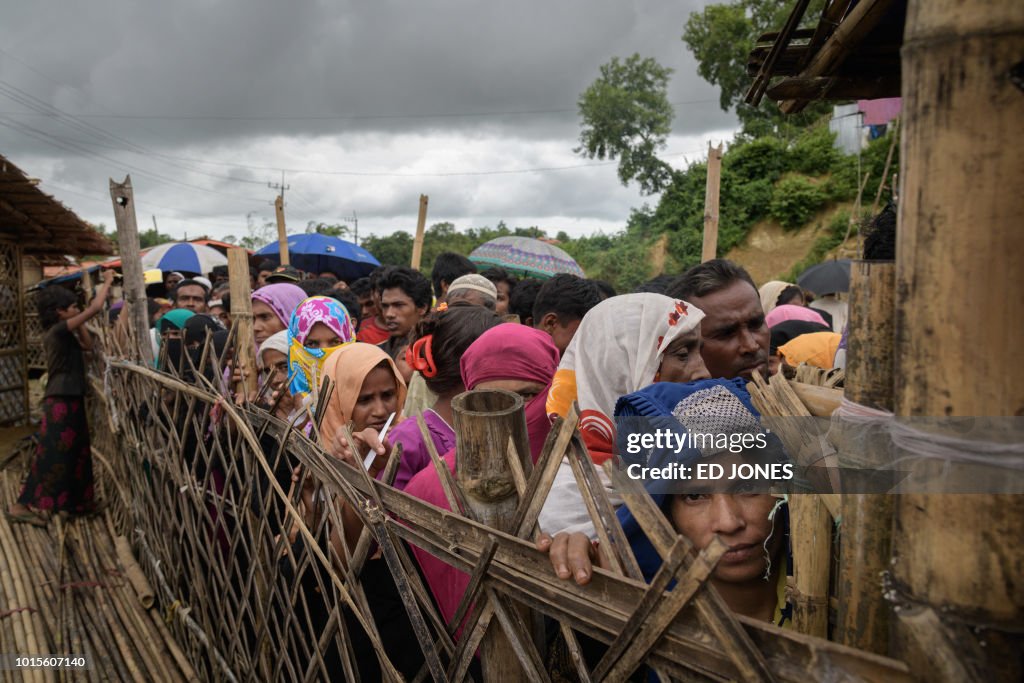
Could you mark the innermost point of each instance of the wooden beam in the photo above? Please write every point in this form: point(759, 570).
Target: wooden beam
point(241, 318)
point(123, 198)
point(421, 223)
point(282, 234)
point(834, 88)
point(709, 248)
point(764, 75)
point(858, 24)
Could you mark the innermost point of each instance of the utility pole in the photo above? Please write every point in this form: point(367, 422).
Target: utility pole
point(282, 235)
point(355, 223)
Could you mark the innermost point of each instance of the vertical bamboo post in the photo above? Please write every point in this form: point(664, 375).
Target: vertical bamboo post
point(282, 235)
point(87, 285)
point(865, 543)
point(131, 267)
point(484, 422)
point(421, 224)
point(241, 318)
point(812, 555)
point(709, 249)
point(961, 293)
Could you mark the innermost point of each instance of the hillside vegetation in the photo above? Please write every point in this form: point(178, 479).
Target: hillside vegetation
point(797, 187)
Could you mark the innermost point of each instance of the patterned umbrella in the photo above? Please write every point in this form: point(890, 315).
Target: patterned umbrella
point(525, 256)
point(316, 253)
point(184, 257)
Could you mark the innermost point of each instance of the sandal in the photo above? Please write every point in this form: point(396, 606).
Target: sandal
point(27, 517)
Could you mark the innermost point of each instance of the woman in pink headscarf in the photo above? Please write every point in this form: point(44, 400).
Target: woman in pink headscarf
point(272, 307)
point(786, 312)
point(512, 357)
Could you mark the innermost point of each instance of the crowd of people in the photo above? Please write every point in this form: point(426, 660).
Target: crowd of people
point(396, 345)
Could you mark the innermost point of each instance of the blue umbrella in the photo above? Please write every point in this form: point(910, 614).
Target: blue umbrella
point(184, 257)
point(316, 253)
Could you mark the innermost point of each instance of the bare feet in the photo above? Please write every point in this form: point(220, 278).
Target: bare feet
point(22, 514)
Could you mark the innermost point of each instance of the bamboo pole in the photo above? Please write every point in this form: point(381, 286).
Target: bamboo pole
point(960, 555)
point(241, 318)
point(484, 422)
point(131, 267)
point(282, 235)
point(709, 249)
point(421, 224)
point(888, 164)
point(866, 534)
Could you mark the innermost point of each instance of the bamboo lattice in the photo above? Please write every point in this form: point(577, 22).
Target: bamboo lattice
point(203, 491)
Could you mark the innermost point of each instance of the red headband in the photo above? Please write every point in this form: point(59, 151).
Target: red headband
point(419, 356)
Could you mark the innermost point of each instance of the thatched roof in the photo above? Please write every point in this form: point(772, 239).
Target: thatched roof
point(43, 226)
point(853, 52)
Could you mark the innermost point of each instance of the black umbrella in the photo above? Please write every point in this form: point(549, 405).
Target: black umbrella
point(827, 278)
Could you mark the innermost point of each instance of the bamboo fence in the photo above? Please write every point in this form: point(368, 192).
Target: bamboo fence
point(244, 589)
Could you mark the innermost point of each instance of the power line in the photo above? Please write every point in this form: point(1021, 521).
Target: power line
point(332, 117)
point(75, 148)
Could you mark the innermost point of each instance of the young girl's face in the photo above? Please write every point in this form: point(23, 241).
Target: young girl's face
point(69, 312)
point(740, 520)
point(378, 398)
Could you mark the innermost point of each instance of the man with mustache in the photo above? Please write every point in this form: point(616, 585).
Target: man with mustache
point(735, 334)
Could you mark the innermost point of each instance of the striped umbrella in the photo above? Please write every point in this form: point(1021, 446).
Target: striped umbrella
point(525, 256)
point(184, 257)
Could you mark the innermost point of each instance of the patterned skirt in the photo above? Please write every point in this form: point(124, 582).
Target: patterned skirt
point(61, 474)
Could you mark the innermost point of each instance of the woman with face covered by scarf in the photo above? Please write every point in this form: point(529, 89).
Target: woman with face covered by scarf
point(198, 329)
point(169, 330)
point(512, 357)
point(318, 327)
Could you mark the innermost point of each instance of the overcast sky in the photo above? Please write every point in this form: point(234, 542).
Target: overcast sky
point(365, 105)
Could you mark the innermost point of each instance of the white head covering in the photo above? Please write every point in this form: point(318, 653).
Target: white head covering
point(275, 342)
point(616, 350)
point(770, 292)
point(475, 282)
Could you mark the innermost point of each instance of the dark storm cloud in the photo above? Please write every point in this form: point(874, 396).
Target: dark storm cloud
point(399, 63)
point(464, 85)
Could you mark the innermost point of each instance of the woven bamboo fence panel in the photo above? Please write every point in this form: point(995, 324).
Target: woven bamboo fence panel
point(203, 490)
point(13, 385)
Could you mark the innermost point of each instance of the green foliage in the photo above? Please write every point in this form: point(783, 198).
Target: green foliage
point(721, 37)
point(814, 153)
point(795, 200)
point(758, 158)
point(332, 230)
point(391, 250)
point(627, 116)
point(152, 237)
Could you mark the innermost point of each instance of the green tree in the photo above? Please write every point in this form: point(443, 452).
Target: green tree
point(332, 230)
point(260, 233)
point(627, 116)
point(722, 36)
point(152, 237)
point(391, 250)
